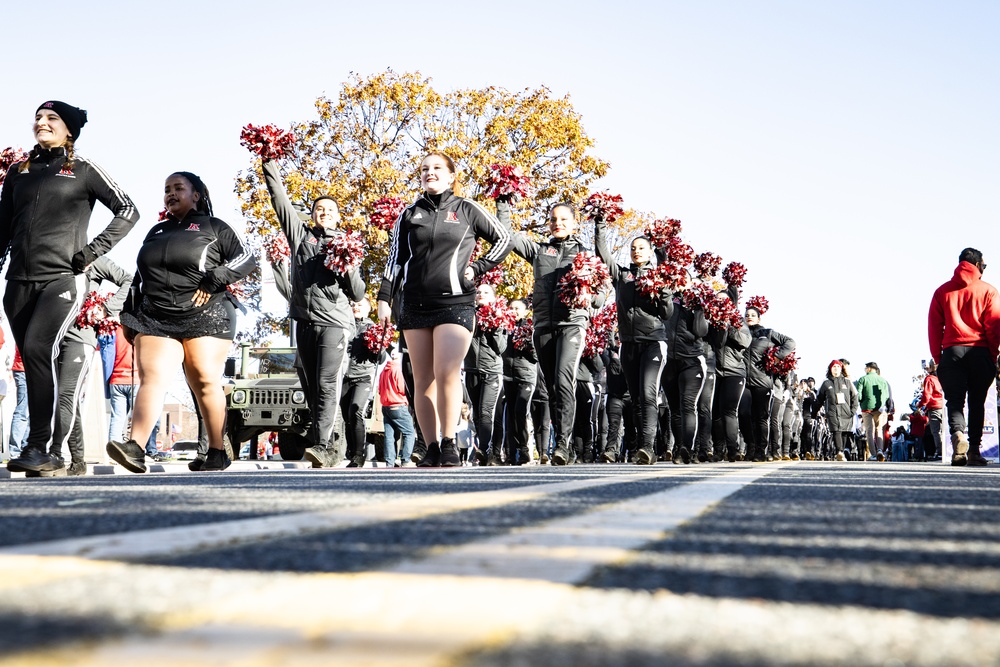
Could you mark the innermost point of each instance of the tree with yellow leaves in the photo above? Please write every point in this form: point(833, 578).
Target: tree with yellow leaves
point(365, 147)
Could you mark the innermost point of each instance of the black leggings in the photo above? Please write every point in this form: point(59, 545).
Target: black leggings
point(704, 440)
point(621, 428)
point(353, 402)
point(559, 351)
point(728, 394)
point(518, 406)
point(584, 426)
point(683, 381)
point(40, 314)
point(760, 417)
point(484, 392)
point(643, 364)
point(75, 360)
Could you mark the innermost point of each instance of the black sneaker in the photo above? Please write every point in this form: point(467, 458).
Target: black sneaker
point(357, 461)
point(561, 455)
point(419, 452)
point(449, 453)
point(644, 457)
point(34, 460)
point(609, 456)
point(682, 455)
point(216, 461)
point(77, 469)
point(318, 456)
point(196, 465)
point(127, 454)
point(432, 459)
point(482, 456)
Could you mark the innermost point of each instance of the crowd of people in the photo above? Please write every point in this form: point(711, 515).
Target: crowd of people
point(669, 384)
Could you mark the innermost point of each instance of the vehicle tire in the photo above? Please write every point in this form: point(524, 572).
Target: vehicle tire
point(292, 446)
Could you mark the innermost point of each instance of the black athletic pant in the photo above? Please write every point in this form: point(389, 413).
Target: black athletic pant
point(703, 442)
point(787, 421)
point(963, 371)
point(353, 402)
point(808, 443)
point(621, 427)
point(725, 412)
point(518, 407)
point(75, 361)
point(484, 392)
point(600, 418)
point(760, 417)
point(540, 419)
point(559, 351)
point(323, 359)
point(39, 315)
point(683, 380)
point(643, 364)
point(584, 426)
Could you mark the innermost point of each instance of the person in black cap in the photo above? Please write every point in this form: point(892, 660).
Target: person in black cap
point(45, 209)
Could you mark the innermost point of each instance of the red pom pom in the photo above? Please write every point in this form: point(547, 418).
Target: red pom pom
point(777, 366)
point(521, 336)
point(238, 290)
point(276, 247)
point(492, 277)
point(506, 180)
point(92, 311)
point(603, 205)
point(587, 277)
point(734, 274)
point(385, 212)
point(378, 338)
point(758, 303)
point(706, 265)
point(269, 142)
point(601, 330)
point(162, 216)
point(344, 252)
point(8, 158)
point(660, 232)
point(496, 316)
point(663, 278)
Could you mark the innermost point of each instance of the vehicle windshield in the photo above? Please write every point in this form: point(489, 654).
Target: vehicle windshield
point(267, 361)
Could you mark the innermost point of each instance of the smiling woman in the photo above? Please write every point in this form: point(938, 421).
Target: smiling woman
point(184, 315)
point(45, 210)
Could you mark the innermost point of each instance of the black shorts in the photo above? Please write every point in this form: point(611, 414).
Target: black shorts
point(218, 320)
point(428, 318)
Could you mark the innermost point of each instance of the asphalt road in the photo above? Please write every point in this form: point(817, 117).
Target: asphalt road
point(724, 564)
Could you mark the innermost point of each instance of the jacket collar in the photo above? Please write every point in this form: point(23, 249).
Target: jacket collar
point(39, 153)
point(446, 198)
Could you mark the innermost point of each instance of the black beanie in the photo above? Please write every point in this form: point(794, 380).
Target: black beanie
point(75, 118)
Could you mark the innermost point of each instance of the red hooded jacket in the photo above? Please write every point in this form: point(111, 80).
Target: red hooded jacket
point(965, 311)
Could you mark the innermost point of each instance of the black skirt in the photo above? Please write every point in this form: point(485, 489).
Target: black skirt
point(428, 318)
point(217, 320)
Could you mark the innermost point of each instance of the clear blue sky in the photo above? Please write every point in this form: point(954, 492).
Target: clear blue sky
point(844, 151)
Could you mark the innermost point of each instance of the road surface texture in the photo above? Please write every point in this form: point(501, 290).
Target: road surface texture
point(797, 563)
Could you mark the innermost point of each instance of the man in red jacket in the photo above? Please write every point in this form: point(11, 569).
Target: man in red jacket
point(963, 328)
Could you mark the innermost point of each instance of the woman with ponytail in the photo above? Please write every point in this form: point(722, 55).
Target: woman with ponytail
point(45, 209)
point(183, 314)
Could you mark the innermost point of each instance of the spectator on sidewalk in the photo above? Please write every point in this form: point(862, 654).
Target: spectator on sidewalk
point(395, 411)
point(873, 394)
point(932, 401)
point(963, 330)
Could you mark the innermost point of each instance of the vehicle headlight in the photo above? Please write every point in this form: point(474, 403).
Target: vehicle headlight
point(298, 396)
point(239, 396)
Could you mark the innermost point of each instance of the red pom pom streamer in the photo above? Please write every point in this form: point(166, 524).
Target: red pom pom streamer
point(238, 290)
point(600, 331)
point(385, 212)
point(664, 277)
point(660, 232)
point(777, 366)
point(706, 265)
point(276, 247)
point(496, 316)
point(758, 303)
point(93, 314)
point(587, 276)
point(734, 274)
point(722, 313)
point(344, 252)
point(378, 338)
point(8, 158)
point(269, 142)
point(521, 336)
point(506, 181)
point(603, 205)
point(492, 277)
point(162, 216)
point(679, 253)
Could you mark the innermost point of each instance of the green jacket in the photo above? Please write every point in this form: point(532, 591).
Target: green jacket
point(873, 391)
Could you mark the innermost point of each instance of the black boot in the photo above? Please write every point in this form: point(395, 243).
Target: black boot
point(432, 459)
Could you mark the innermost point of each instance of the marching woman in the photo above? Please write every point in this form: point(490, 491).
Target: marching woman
point(483, 376)
point(429, 257)
point(358, 384)
point(643, 335)
point(320, 305)
point(559, 330)
point(839, 400)
point(731, 377)
point(765, 396)
point(519, 375)
point(182, 314)
point(45, 209)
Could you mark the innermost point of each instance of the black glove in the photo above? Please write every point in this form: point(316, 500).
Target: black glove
point(83, 259)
